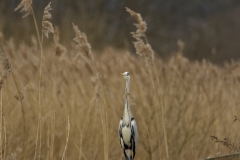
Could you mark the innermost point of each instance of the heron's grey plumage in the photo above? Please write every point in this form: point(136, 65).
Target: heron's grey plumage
point(127, 131)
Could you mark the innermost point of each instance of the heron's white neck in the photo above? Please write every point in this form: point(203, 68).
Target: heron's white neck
point(127, 113)
point(127, 90)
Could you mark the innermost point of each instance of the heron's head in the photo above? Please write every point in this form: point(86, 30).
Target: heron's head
point(126, 75)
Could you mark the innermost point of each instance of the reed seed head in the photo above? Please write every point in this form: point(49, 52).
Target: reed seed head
point(26, 6)
point(141, 25)
point(142, 49)
point(145, 51)
point(82, 44)
point(47, 25)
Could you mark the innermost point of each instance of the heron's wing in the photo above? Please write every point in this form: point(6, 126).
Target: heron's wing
point(120, 129)
point(135, 134)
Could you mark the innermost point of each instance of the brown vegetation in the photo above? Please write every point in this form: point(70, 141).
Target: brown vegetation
point(177, 104)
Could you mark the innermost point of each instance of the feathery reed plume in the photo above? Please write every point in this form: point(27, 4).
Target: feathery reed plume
point(59, 49)
point(82, 44)
point(144, 49)
point(141, 26)
point(47, 25)
point(26, 6)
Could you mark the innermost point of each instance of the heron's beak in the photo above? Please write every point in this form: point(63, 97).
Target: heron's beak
point(122, 74)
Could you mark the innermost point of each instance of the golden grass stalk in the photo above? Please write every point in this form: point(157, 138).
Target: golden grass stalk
point(67, 138)
point(79, 150)
point(52, 134)
point(5, 70)
point(86, 53)
point(25, 149)
point(26, 6)
point(46, 29)
point(144, 49)
point(20, 97)
point(1, 129)
point(5, 139)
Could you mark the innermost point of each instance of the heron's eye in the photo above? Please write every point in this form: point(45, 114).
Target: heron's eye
point(128, 74)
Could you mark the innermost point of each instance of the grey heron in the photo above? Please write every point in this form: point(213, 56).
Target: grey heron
point(127, 131)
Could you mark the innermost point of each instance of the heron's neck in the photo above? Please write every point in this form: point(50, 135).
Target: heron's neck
point(127, 113)
point(127, 90)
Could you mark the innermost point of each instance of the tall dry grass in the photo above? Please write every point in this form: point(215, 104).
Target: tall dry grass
point(177, 104)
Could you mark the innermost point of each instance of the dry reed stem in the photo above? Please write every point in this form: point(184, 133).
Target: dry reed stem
point(48, 138)
point(5, 137)
point(164, 128)
point(145, 50)
point(162, 111)
point(5, 69)
point(148, 135)
point(104, 113)
point(26, 148)
point(19, 97)
point(1, 129)
point(86, 53)
point(67, 138)
point(46, 28)
point(26, 6)
point(99, 93)
point(79, 150)
point(52, 134)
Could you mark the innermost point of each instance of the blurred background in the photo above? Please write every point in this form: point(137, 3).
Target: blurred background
point(210, 29)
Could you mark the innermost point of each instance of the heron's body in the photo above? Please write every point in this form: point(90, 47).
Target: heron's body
point(128, 133)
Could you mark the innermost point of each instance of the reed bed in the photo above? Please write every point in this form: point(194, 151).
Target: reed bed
point(178, 104)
